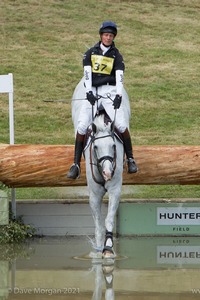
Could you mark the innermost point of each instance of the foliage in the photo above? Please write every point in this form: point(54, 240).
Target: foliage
point(3, 187)
point(15, 232)
point(12, 251)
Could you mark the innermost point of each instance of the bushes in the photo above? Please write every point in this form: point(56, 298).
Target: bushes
point(16, 231)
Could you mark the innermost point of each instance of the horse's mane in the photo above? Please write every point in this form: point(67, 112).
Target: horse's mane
point(100, 124)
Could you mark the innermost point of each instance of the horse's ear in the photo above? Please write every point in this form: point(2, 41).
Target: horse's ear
point(94, 128)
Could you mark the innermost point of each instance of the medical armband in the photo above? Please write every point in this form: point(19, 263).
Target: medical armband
point(119, 81)
point(88, 78)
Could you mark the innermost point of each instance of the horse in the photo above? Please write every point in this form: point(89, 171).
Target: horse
point(104, 158)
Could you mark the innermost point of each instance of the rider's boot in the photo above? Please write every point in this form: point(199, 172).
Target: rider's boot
point(132, 167)
point(74, 171)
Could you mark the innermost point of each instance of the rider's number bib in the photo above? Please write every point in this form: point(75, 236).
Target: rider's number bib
point(102, 64)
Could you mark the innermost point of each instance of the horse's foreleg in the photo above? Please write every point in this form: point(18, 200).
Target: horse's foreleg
point(109, 223)
point(112, 209)
point(97, 295)
point(95, 204)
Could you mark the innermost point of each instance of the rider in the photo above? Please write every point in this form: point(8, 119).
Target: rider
point(103, 79)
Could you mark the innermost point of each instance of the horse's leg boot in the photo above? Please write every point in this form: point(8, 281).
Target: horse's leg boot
point(75, 170)
point(108, 244)
point(132, 167)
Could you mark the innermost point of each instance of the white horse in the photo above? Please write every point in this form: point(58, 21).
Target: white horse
point(104, 158)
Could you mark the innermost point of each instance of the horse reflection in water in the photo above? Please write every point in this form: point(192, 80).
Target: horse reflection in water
point(104, 157)
point(103, 274)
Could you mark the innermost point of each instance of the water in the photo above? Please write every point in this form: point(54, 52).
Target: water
point(60, 268)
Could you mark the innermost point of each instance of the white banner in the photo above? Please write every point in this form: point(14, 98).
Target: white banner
point(178, 216)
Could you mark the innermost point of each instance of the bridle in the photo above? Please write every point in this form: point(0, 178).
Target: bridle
point(100, 161)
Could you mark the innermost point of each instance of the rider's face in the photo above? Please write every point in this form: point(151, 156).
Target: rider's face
point(107, 38)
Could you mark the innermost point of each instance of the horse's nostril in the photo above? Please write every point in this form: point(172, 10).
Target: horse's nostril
point(107, 175)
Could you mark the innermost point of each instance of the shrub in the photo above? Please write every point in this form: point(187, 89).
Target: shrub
point(16, 231)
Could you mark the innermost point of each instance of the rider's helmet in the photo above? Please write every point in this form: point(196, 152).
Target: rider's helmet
point(108, 26)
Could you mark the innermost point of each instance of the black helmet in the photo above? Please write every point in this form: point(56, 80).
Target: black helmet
point(108, 26)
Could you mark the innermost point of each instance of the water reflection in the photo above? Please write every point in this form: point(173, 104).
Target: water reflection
point(146, 268)
point(103, 272)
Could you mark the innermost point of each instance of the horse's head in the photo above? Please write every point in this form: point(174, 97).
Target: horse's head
point(104, 148)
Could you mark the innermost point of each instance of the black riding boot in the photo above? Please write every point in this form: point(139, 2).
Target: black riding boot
point(132, 167)
point(75, 171)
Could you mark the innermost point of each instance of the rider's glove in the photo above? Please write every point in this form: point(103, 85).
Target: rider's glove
point(117, 101)
point(91, 98)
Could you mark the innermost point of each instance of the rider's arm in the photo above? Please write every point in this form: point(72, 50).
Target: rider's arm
point(88, 78)
point(119, 81)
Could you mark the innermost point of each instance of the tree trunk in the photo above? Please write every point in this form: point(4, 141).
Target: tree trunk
point(47, 165)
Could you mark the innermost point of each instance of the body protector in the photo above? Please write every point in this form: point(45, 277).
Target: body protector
point(103, 74)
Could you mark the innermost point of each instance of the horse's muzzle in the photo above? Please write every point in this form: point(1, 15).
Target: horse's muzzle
point(107, 167)
point(107, 175)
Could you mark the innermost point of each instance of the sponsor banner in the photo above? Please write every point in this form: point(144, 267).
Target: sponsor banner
point(178, 255)
point(178, 215)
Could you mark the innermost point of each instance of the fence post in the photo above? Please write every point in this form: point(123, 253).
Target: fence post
point(6, 86)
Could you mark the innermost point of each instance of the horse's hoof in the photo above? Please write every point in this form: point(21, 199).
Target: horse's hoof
point(108, 260)
point(108, 269)
point(108, 252)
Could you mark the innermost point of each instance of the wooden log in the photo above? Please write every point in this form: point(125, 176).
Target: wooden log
point(47, 165)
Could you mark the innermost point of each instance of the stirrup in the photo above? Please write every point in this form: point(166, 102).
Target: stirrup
point(74, 171)
point(132, 167)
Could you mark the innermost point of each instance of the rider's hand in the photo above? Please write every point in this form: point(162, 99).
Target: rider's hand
point(117, 101)
point(91, 98)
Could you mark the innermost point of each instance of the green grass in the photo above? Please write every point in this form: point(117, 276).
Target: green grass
point(42, 43)
point(135, 191)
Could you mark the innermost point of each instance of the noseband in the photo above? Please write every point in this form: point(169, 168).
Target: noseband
point(101, 159)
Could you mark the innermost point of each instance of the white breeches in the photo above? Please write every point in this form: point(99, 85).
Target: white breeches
point(103, 92)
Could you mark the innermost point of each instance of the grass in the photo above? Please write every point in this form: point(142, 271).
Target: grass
point(42, 43)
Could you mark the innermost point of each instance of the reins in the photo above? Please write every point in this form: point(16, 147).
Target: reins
point(101, 159)
point(106, 157)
